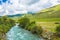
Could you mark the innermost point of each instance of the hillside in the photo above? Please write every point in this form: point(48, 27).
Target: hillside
point(52, 12)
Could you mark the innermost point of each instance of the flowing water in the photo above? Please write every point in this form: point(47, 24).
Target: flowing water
point(17, 33)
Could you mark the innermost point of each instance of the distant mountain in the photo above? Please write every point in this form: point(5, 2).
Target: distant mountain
point(16, 15)
point(52, 12)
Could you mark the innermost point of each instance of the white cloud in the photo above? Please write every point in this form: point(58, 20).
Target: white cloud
point(23, 6)
point(54, 2)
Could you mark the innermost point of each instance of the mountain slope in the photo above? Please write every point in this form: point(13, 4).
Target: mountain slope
point(53, 12)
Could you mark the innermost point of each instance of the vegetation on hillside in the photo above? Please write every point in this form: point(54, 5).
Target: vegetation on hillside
point(58, 30)
point(53, 12)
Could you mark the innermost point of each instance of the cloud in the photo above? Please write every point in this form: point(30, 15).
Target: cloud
point(54, 2)
point(12, 7)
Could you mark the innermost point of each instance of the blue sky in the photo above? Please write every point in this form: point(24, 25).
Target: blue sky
point(2, 1)
point(11, 7)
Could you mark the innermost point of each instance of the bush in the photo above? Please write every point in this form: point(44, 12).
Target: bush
point(32, 27)
point(39, 30)
point(58, 31)
point(35, 29)
point(57, 23)
point(24, 22)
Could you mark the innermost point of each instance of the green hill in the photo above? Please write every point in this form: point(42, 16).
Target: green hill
point(48, 14)
point(52, 12)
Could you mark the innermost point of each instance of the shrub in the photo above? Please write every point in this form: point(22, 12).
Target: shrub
point(24, 22)
point(39, 30)
point(32, 27)
point(57, 23)
point(35, 29)
point(58, 30)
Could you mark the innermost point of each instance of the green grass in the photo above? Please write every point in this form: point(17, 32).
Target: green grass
point(45, 19)
point(48, 20)
point(50, 26)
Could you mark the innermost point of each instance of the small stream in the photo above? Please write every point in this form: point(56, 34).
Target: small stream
point(17, 33)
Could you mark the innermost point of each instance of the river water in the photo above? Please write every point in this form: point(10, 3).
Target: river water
point(17, 33)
